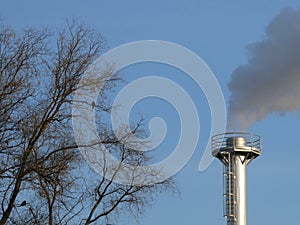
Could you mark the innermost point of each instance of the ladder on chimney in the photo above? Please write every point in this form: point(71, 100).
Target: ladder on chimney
point(229, 191)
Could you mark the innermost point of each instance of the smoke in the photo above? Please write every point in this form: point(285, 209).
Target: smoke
point(270, 81)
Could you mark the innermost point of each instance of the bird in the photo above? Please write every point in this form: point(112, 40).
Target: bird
point(23, 203)
point(93, 104)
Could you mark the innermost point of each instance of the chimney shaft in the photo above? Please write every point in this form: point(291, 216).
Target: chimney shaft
point(235, 151)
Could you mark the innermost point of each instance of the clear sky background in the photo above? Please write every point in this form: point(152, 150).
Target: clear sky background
point(218, 31)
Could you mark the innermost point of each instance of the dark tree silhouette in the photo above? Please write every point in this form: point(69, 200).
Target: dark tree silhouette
point(39, 159)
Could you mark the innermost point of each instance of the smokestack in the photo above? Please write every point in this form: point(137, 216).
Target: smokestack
point(269, 82)
point(235, 151)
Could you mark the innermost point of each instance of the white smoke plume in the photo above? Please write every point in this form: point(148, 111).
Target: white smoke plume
point(270, 81)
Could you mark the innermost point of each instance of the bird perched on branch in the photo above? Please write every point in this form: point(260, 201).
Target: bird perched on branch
point(23, 203)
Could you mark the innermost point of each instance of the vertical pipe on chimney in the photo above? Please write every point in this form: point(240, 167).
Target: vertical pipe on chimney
point(241, 191)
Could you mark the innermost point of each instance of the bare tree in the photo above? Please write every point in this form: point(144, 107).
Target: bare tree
point(39, 158)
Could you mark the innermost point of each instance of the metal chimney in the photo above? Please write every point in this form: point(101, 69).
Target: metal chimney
point(235, 151)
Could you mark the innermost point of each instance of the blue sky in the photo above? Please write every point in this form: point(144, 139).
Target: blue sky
point(218, 31)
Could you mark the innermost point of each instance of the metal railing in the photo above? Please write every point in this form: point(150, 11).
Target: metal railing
point(220, 141)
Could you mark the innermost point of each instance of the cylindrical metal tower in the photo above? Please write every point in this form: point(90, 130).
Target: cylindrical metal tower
point(235, 151)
